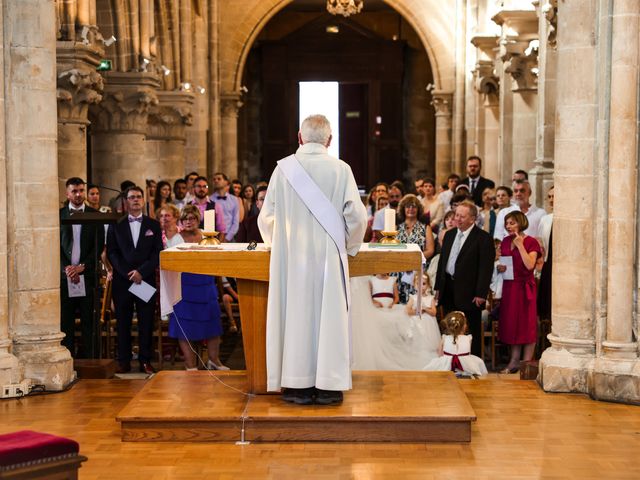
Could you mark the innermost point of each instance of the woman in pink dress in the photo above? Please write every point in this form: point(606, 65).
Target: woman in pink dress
point(518, 318)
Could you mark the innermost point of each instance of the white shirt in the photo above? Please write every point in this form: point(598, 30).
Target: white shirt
point(465, 234)
point(534, 215)
point(135, 229)
point(77, 231)
point(445, 198)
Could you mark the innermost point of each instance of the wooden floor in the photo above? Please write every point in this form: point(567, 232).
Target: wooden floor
point(520, 433)
point(382, 407)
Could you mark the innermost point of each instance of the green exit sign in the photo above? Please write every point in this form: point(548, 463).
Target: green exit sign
point(105, 65)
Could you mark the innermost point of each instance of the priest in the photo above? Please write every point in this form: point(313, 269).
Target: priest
point(313, 218)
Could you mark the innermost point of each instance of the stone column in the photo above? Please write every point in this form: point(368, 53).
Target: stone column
point(120, 126)
point(541, 175)
point(230, 104)
point(166, 134)
point(441, 101)
point(79, 85)
point(10, 371)
point(577, 257)
point(487, 88)
point(32, 229)
point(617, 369)
point(519, 61)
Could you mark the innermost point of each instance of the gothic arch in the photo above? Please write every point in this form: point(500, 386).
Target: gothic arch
point(429, 18)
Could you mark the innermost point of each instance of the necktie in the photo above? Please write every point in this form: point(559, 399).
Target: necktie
point(473, 184)
point(221, 197)
point(453, 256)
point(135, 219)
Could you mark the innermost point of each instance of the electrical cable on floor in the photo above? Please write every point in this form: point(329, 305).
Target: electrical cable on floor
point(244, 415)
point(204, 364)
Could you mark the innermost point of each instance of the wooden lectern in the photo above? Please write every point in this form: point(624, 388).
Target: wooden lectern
point(251, 269)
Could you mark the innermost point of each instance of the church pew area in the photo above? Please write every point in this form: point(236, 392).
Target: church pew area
point(177, 406)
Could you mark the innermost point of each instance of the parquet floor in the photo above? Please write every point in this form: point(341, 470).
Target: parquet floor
point(521, 433)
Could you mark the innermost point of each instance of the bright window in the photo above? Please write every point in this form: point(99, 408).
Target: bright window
point(322, 98)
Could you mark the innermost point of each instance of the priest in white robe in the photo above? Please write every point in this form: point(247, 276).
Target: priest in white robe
point(308, 330)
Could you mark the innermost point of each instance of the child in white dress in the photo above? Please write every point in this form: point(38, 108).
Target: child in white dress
point(428, 323)
point(455, 349)
point(384, 290)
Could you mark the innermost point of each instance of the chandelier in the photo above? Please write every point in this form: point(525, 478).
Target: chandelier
point(344, 7)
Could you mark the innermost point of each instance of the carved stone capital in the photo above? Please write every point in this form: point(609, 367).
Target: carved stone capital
point(230, 104)
point(486, 82)
point(78, 83)
point(127, 100)
point(520, 60)
point(169, 118)
point(442, 102)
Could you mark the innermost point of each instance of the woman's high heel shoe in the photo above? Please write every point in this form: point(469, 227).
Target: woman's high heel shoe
point(506, 371)
point(213, 366)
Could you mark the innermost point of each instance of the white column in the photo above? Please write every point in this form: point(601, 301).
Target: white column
point(32, 192)
point(577, 227)
point(441, 101)
point(541, 175)
point(230, 104)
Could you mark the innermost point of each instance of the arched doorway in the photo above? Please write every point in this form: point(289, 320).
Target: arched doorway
point(380, 62)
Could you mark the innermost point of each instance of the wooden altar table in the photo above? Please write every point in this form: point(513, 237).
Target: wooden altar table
point(251, 269)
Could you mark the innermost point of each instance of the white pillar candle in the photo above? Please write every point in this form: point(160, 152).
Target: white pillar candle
point(389, 220)
point(209, 220)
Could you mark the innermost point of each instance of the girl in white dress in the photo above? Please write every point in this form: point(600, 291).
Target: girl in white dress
point(384, 290)
point(387, 338)
point(455, 349)
point(427, 321)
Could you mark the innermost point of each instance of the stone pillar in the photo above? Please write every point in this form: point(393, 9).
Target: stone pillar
point(487, 87)
point(578, 259)
point(166, 134)
point(230, 104)
point(120, 126)
point(617, 369)
point(10, 371)
point(79, 85)
point(518, 53)
point(541, 175)
point(32, 230)
point(441, 101)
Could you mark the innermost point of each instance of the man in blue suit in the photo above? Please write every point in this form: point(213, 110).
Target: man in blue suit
point(133, 248)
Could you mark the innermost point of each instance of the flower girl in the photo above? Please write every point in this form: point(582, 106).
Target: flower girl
point(455, 349)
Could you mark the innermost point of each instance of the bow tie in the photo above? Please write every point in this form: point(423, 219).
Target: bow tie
point(221, 197)
point(135, 219)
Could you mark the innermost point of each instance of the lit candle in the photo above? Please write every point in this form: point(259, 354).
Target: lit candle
point(389, 220)
point(210, 221)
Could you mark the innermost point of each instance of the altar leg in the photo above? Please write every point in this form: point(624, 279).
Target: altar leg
point(252, 297)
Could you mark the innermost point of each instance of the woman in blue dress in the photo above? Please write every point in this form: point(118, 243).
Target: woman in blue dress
point(197, 316)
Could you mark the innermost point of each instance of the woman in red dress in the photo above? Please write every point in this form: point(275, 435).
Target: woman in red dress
point(518, 318)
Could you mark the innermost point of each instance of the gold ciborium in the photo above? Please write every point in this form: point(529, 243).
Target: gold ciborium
point(389, 238)
point(209, 238)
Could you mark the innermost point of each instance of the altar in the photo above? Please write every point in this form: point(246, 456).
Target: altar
point(251, 269)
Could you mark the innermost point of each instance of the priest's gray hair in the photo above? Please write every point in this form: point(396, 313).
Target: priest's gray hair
point(315, 129)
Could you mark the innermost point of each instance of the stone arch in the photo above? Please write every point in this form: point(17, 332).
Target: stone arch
point(429, 18)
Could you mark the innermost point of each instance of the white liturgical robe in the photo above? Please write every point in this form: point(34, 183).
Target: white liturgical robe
point(308, 331)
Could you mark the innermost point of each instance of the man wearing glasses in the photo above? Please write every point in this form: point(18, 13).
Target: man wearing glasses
point(133, 248)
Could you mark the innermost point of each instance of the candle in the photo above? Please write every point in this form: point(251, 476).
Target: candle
point(389, 220)
point(210, 221)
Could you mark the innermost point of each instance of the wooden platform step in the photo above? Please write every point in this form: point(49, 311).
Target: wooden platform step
point(179, 406)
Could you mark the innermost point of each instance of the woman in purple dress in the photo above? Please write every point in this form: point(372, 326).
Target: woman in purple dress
point(518, 318)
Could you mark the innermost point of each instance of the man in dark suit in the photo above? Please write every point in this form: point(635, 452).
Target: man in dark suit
point(78, 265)
point(464, 270)
point(133, 248)
point(474, 181)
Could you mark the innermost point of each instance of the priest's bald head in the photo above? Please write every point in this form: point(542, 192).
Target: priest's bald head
point(315, 129)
